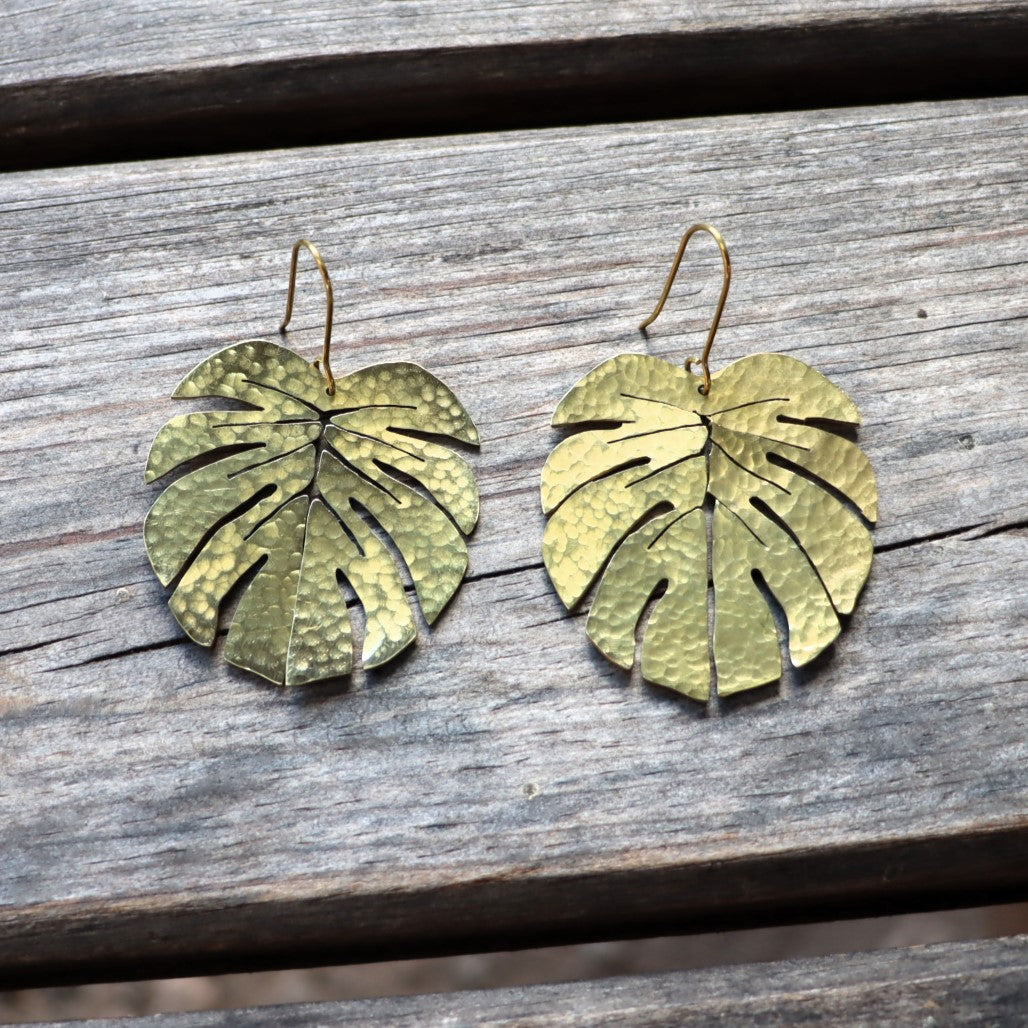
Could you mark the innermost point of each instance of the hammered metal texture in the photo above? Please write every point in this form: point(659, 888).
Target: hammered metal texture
point(300, 485)
point(626, 504)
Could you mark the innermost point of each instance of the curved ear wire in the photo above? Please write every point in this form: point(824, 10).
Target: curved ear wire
point(330, 381)
point(703, 358)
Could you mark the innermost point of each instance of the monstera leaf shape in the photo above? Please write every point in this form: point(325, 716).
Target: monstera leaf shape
point(628, 498)
point(302, 484)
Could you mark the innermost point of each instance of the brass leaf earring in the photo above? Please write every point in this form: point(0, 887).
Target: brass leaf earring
point(758, 446)
point(300, 481)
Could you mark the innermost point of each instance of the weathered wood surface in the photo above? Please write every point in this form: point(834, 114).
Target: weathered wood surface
point(86, 80)
point(982, 982)
point(160, 812)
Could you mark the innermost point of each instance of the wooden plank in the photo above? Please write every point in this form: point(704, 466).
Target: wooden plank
point(87, 81)
point(952, 983)
point(161, 812)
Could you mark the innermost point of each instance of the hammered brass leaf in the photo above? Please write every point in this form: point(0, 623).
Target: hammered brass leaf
point(302, 484)
point(626, 504)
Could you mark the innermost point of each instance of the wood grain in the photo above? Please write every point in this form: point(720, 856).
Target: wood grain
point(160, 812)
point(952, 983)
point(84, 81)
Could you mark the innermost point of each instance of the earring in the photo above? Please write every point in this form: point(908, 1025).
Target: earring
point(757, 450)
point(301, 482)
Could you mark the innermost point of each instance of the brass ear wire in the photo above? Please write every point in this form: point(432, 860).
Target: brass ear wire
point(326, 367)
point(703, 358)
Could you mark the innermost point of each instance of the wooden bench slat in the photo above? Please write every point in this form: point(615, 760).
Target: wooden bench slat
point(952, 983)
point(161, 812)
point(85, 81)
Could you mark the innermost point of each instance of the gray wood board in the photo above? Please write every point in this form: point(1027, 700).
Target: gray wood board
point(982, 982)
point(160, 811)
point(86, 81)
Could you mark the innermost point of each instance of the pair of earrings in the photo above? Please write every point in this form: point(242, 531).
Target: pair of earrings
point(743, 480)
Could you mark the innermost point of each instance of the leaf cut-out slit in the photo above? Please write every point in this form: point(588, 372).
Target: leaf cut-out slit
point(261, 463)
point(742, 521)
point(749, 471)
point(657, 431)
point(845, 429)
point(762, 508)
point(667, 528)
point(337, 412)
point(228, 518)
point(653, 399)
point(284, 392)
point(663, 468)
point(798, 469)
point(637, 462)
point(743, 406)
point(383, 442)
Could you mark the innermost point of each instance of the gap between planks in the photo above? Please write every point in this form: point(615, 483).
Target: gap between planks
point(949, 983)
point(83, 83)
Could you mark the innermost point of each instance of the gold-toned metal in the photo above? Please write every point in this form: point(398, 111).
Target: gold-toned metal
point(330, 382)
point(726, 262)
point(310, 492)
point(759, 455)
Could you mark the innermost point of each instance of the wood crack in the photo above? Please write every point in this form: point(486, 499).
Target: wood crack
point(117, 655)
point(931, 537)
point(1014, 526)
point(36, 646)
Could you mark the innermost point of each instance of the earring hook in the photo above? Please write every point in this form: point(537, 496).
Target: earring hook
point(325, 365)
point(719, 239)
